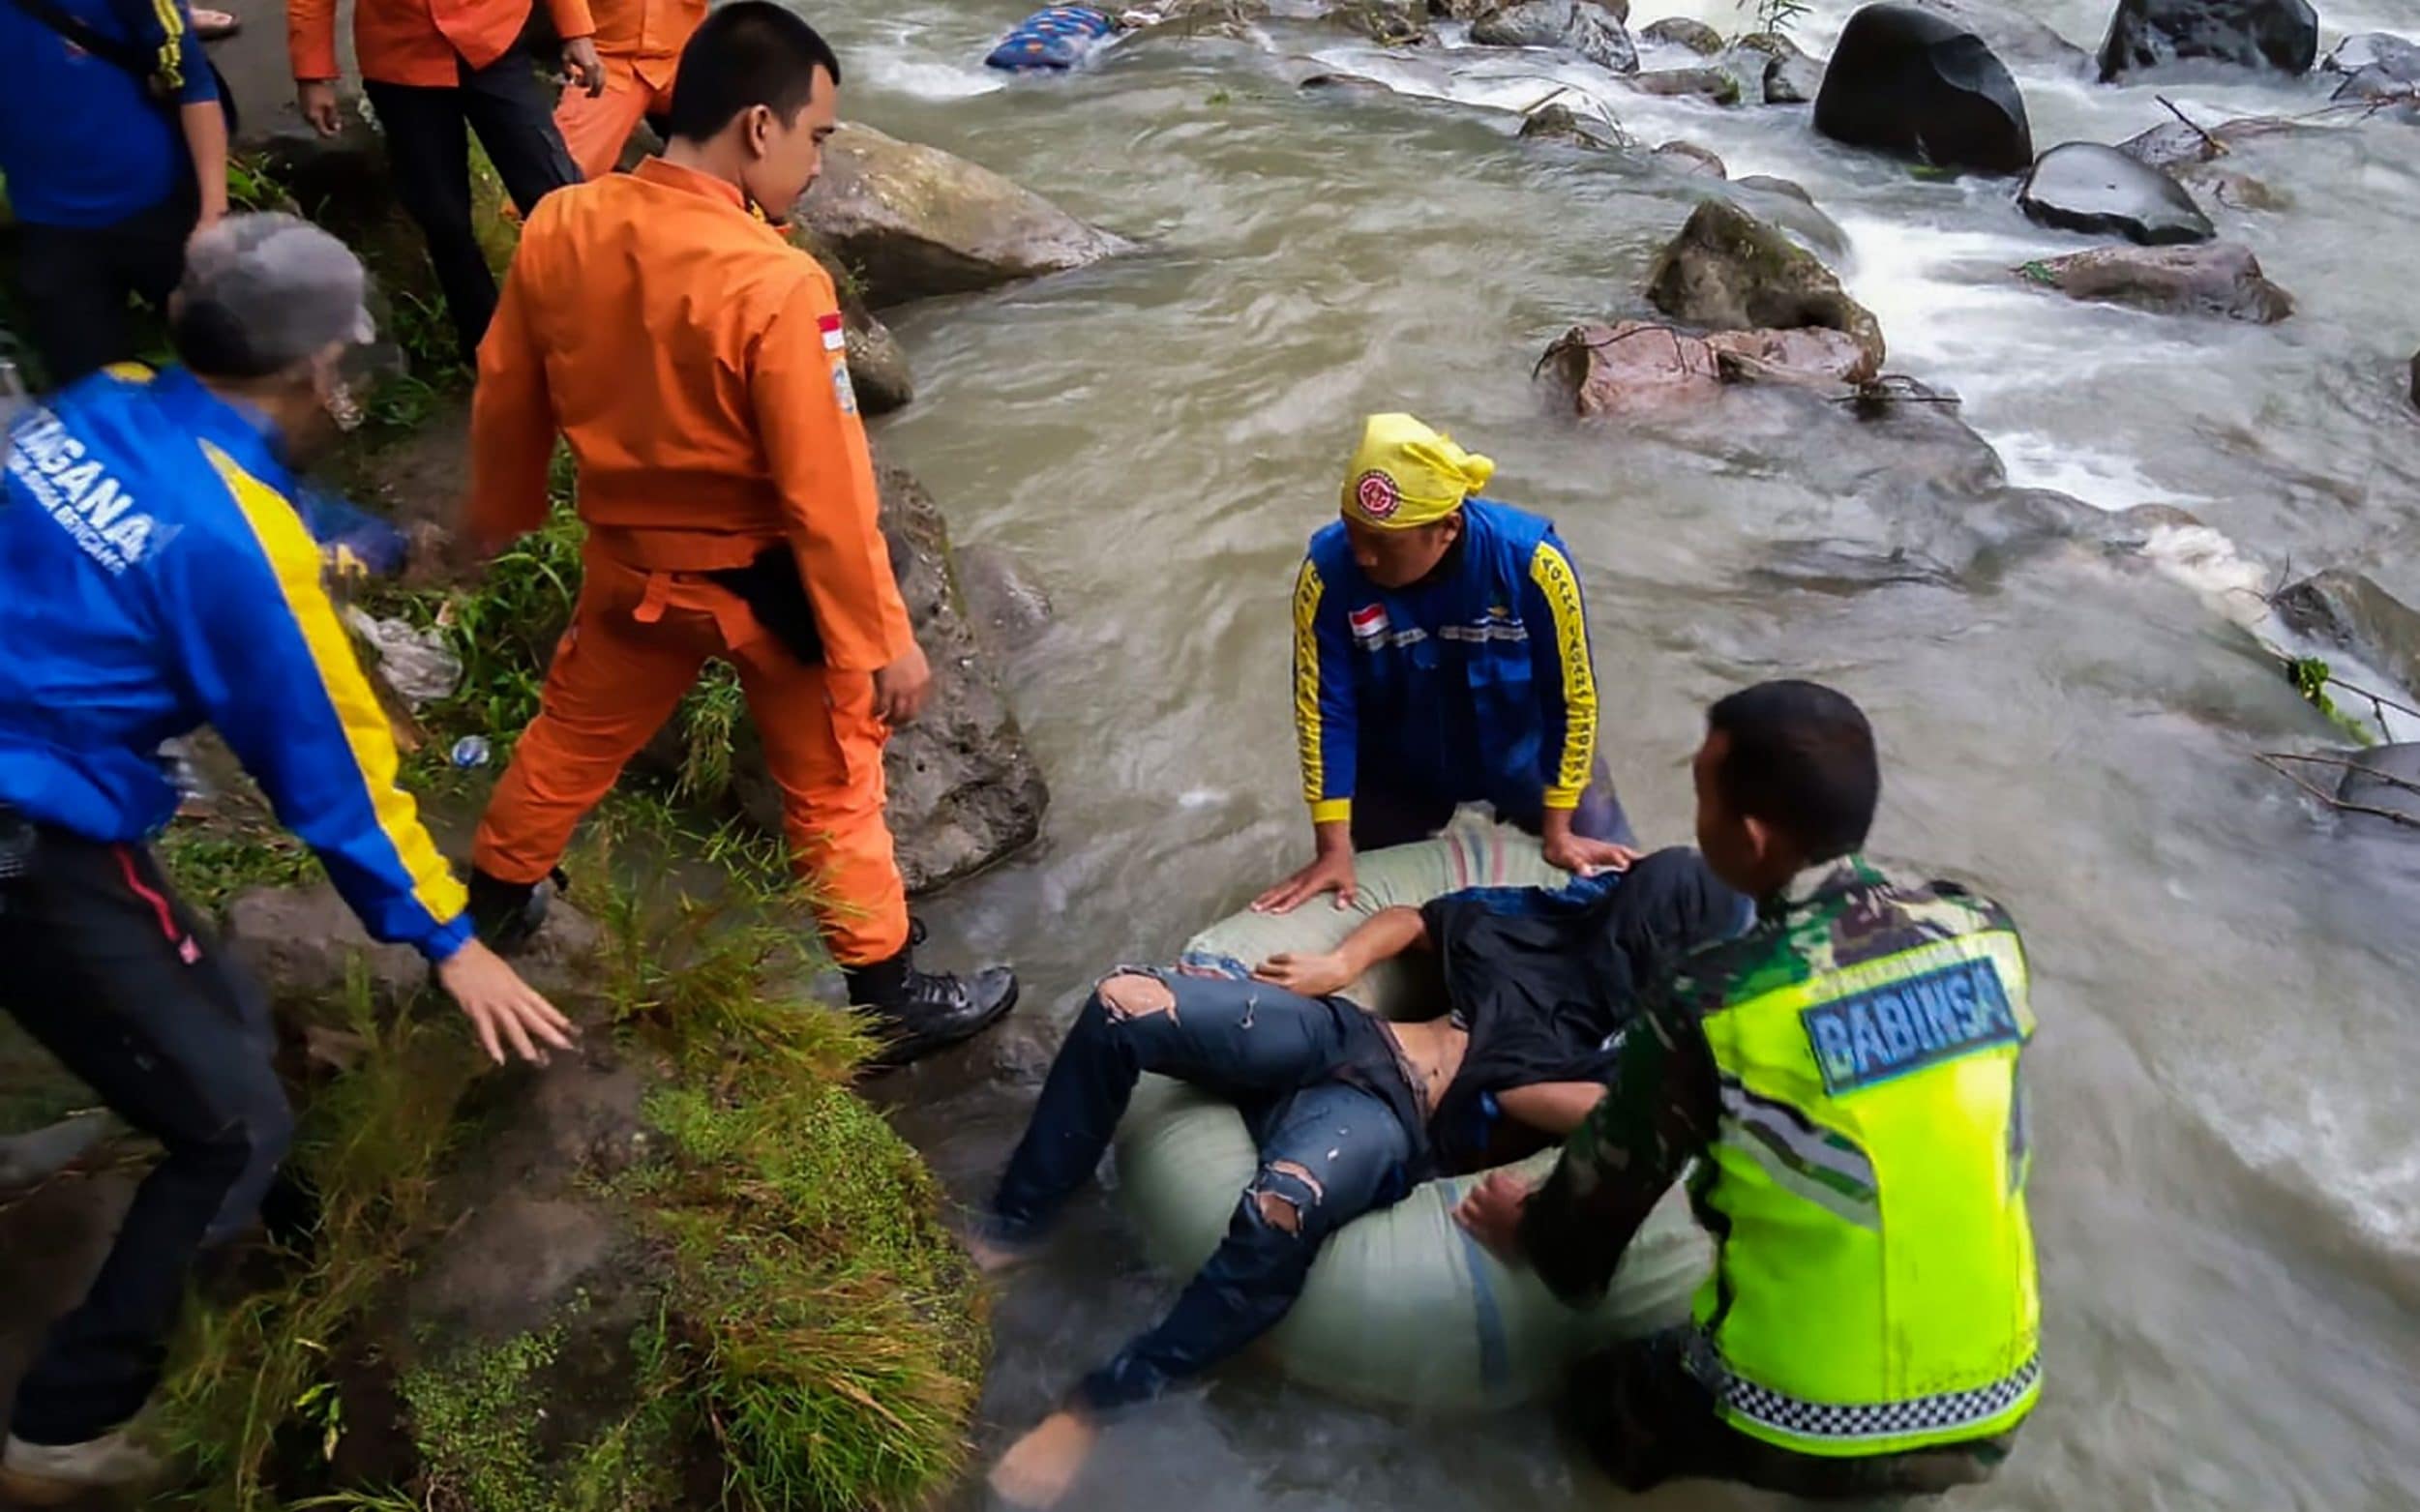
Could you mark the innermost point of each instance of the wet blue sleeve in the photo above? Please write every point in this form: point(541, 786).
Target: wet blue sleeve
point(272, 667)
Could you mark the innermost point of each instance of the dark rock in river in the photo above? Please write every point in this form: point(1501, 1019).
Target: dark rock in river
point(1561, 124)
point(1345, 84)
point(2277, 34)
point(2087, 187)
point(1730, 271)
point(1684, 31)
point(915, 220)
point(2350, 612)
point(1685, 157)
point(1718, 85)
point(1582, 27)
point(2383, 777)
point(1911, 82)
point(2212, 279)
point(1781, 73)
point(2010, 31)
point(2398, 56)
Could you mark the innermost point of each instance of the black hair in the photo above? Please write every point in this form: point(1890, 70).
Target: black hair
point(1800, 756)
point(747, 53)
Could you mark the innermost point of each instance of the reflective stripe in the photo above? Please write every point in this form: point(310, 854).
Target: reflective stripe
point(1938, 1419)
point(1818, 1164)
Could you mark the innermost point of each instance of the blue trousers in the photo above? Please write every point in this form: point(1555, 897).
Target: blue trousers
point(1331, 1150)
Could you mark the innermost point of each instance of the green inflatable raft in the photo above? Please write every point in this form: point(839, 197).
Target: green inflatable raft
point(1401, 1306)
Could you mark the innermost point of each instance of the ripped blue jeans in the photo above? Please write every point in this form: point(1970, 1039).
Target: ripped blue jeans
point(1330, 1149)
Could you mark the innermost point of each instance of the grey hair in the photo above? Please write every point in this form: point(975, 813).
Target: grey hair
point(265, 292)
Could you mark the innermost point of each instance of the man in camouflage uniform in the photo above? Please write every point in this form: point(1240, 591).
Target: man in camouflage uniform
point(1844, 1078)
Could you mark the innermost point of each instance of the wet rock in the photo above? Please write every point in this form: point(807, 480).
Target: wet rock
point(877, 366)
point(2350, 611)
point(1582, 27)
point(1472, 9)
point(1685, 157)
point(2387, 778)
point(964, 790)
point(2211, 279)
point(1565, 127)
point(1637, 367)
point(1787, 205)
point(1390, 23)
point(304, 945)
point(1344, 84)
point(1005, 606)
point(2174, 144)
point(1730, 271)
point(2398, 56)
point(1920, 85)
point(1232, 20)
point(914, 220)
point(1718, 85)
point(2145, 34)
point(2011, 32)
point(1782, 75)
point(2090, 188)
point(2378, 85)
point(1684, 31)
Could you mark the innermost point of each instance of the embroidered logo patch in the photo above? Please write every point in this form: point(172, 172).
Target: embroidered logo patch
point(1889, 1031)
point(835, 338)
point(1377, 494)
point(1368, 624)
point(842, 390)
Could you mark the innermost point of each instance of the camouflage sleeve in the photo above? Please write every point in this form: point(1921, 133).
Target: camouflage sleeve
point(1659, 1110)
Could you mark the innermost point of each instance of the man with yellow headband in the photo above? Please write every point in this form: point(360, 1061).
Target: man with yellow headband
point(1441, 658)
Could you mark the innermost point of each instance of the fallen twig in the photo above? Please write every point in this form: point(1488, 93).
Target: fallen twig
point(2218, 148)
point(2276, 761)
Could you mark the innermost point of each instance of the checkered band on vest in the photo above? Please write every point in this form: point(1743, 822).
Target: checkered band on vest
point(1805, 1419)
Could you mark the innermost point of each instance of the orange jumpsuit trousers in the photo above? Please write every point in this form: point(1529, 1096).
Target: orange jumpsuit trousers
point(635, 645)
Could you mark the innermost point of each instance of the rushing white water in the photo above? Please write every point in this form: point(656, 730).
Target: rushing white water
point(2228, 1200)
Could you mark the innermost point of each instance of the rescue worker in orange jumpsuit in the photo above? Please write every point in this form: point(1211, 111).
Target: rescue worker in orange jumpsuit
point(638, 43)
point(693, 359)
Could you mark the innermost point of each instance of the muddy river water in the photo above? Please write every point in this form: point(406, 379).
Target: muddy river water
point(2227, 1189)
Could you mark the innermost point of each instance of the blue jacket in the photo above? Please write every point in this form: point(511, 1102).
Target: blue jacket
point(154, 578)
point(1474, 683)
point(82, 143)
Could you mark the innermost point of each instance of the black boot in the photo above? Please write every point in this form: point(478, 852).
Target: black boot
point(508, 916)
point(916, 1012)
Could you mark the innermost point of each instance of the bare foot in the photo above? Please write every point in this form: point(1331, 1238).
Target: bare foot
point(1038, 1468)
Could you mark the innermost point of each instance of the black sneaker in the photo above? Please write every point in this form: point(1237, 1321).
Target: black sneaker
point(508, 916)
point(916, 1012)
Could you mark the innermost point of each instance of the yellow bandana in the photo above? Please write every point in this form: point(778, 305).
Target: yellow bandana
point(1404, 475)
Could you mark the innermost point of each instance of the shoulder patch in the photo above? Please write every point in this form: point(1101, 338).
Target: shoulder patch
point(1889, 1031)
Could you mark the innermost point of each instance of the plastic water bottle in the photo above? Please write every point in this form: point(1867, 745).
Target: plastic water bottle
point(471, 751)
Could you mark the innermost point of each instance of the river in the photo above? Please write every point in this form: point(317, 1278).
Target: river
point(2228, 1190)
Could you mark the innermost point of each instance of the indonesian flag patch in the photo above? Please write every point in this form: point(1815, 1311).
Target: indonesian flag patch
point(1368, 624)
point(834, 338)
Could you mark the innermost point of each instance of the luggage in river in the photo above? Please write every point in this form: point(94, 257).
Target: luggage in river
point(1053, 41)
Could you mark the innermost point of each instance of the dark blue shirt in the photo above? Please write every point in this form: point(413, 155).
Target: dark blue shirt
point(82, 143)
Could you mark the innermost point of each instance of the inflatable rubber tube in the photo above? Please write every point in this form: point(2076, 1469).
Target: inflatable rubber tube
point(1401, 1306)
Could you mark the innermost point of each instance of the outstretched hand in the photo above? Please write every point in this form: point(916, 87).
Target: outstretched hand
point(1491, 1215)
point(1330, 871)
point(504, 1009)
point(1310, 973)
point(1582, 856)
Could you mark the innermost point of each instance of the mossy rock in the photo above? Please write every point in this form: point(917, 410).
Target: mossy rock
point(1728, 271)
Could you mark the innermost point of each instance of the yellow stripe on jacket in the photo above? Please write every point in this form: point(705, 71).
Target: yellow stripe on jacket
point(1310, 735)
point(295, 559)
point(1552, 573)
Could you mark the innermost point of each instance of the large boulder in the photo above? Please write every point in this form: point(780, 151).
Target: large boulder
point(2211, 279)
point(1637, 367)
point(1918, 84)
point(1582, 27)
point(2350, 611)
point(1684, 31)
point(2011, 32)
point(2276, 34)
point(1728, 271)
point(2096, 189)
point(1781, 71)
point(911, 220)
